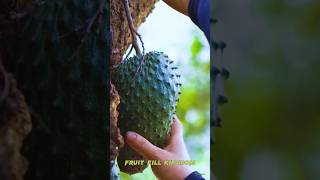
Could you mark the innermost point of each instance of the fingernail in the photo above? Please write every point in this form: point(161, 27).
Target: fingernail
point(131, 136)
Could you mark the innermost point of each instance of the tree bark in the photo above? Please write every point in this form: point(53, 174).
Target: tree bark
point(120, 40)
point(121, 37)
point(15, 120)
point(15, 125)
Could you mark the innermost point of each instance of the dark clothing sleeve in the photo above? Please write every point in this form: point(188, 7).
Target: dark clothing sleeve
point(199, 12)
point(194, 176)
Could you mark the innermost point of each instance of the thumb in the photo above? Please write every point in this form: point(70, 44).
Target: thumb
point(176, 134)
point(142, 146)
point(176, 142)
point(177, 128)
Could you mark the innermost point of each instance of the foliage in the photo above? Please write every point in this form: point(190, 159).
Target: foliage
point(195, 97)
point(272, 124)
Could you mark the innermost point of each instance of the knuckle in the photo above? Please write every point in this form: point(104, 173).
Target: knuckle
point(157, 154)
point(142, 143)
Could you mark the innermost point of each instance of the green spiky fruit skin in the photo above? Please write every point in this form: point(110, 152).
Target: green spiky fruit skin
point(148, 101)
point(62, 70)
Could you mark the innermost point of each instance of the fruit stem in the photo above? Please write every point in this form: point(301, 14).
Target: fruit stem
point(132, 29)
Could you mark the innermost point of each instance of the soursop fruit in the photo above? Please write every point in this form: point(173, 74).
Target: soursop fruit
point(149, 91)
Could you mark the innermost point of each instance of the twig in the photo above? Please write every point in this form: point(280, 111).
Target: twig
point(6, 85)
point(139, 68)
point(134, 38)
point(142, 44)
point(88, 29)
point(132, 29)
point(116, 66)
point(128, 53)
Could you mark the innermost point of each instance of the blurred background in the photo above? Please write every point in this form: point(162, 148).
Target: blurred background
point(271, 125)
point(174, 34)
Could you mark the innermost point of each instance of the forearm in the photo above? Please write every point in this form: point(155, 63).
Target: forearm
point(179, 5)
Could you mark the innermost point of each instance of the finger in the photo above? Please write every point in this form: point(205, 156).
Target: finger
point(176, 136)
point(176, 131)
point(143, 146)
point(177, 128)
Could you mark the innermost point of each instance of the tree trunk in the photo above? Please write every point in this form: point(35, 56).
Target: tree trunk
point(15, 125)
point(15, 120)
point(58, 52)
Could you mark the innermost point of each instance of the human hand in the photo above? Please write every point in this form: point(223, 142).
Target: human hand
point(175, 150)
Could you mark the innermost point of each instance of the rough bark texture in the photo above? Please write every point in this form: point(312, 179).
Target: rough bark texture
point(121, 39)
point(116, 138)
point(15, 124)
point(10, 11)
point(15, 120)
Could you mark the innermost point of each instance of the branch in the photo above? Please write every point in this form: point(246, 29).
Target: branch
point(132, 29)
point(5, 91)
point(88, 29)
